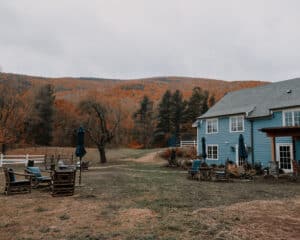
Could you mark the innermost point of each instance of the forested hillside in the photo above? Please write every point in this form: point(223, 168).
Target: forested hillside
point(23, 101)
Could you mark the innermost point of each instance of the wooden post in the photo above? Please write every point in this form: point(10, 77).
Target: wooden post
point(1, 159)
point(273, 149)
point(26, 159)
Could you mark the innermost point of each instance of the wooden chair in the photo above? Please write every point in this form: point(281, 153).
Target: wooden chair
point(63, 182)
point(16, 186)
point(220, 174)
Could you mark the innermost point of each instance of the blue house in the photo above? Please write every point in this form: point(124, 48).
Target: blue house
point(268, 117)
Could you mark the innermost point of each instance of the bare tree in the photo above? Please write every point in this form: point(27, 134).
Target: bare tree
point(100, 124)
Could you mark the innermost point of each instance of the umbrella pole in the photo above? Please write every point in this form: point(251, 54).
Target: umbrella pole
point(80, 171)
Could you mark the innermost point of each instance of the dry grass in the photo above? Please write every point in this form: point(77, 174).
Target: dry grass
point(143, 200)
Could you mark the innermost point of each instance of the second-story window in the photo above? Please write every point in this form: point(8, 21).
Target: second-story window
point(212, 126)
point(237, 124)
point(291, 118)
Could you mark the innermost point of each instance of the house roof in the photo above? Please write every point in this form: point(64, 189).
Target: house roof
point(259, 101)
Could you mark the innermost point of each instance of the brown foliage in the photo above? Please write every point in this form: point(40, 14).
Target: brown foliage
point(123, 96)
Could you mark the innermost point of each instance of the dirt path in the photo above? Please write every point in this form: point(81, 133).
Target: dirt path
point(148, 158)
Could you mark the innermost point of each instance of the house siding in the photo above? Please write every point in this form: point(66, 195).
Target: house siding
point(227, 140)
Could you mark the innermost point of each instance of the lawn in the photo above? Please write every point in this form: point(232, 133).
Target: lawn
point(139, 198)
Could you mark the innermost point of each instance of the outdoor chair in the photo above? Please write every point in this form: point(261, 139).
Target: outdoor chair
point(13, 185)
point(206, 172)
point(37, 178)
point(84, 165)
point(63, 182)
point(220, 174)
point(194, 170)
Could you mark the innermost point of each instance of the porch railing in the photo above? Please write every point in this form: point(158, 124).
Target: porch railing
point(192, 143)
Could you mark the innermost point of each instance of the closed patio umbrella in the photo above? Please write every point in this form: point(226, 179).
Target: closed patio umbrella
point(242, 149)
point(80, 150)
point(204, 155)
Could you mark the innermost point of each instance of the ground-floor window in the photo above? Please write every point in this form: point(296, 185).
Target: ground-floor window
point(212, 151)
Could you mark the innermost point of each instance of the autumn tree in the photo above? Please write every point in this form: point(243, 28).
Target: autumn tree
point(66, 122)
point(39, 124)
point(100, 124)
point(144, 122)
point(10, 120)
point(211, 101)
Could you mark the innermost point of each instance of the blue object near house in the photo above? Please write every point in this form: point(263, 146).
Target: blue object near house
point(268, 117)
point(172, 141)
point(195, 167)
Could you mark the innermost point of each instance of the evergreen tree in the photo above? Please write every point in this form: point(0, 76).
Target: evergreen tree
point(164, 114)
point(178, 106)
point(197, 104)
point(39, 126)
point(144, 122)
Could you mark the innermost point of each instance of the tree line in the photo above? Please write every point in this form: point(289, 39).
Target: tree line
point(33, 116)
point(173, 118)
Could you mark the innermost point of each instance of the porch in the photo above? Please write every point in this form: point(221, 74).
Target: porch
point(284, 153)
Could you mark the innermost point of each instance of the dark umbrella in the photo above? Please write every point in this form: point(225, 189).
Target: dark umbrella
point(80, 151)
point(242, 149)
point(204, 155)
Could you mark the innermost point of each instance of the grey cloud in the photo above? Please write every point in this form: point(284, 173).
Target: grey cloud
point(231, 40)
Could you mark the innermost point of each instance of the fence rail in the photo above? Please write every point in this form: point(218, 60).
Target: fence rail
point(20, 159)
point(192, 143)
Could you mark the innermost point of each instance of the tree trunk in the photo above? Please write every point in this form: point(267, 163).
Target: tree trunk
point(102, 155)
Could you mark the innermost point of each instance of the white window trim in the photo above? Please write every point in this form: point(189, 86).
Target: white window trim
point(278, 145)
point(230, 122)
point(206, 127)
point(292, 110)
point(212, 145)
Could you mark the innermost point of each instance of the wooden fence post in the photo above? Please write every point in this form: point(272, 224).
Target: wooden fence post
point(26, 159)
point(1, 159)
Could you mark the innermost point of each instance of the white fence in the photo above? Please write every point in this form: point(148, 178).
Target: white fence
point(20, 159)
point(192, 143)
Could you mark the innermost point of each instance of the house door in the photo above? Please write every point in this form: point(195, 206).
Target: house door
point(285, 156)
point(238, 160)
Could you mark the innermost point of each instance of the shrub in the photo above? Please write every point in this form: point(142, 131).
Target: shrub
point(179, 152)
point(213, 165)
point(166, 154)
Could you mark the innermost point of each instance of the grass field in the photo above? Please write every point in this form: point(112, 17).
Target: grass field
point(136, 197)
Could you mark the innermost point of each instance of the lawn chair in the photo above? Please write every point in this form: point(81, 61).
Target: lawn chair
point(220, 174)
point(63, 182)
point(194, 170)
point(13, 185)
point(37, 178)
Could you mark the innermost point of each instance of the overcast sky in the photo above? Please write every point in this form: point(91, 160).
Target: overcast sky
point(230, 40)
